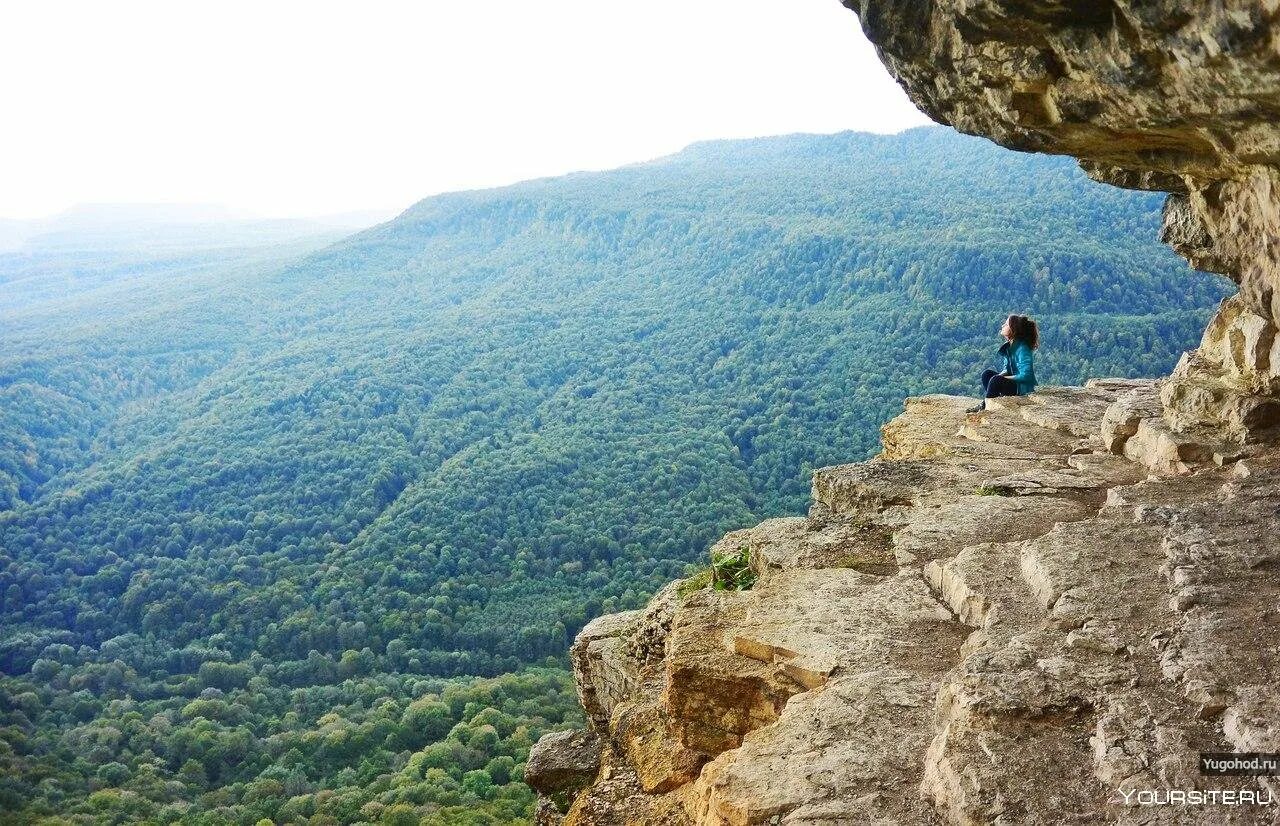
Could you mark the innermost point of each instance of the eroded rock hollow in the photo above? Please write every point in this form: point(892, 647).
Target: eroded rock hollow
point(1040, 613)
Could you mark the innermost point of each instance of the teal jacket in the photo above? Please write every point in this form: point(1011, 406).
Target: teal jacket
point(1019, 364)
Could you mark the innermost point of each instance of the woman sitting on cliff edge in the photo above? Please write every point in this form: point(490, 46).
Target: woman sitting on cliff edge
point(1019, 376)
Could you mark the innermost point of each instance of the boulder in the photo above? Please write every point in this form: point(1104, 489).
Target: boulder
point(563, 763)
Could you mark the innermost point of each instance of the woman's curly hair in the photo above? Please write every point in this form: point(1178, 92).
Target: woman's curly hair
point(1024, 330)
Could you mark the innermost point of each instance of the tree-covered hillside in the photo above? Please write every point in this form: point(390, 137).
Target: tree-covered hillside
point(242, 506)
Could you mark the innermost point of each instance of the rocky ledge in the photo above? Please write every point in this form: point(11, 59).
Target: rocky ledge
point(1026, 615)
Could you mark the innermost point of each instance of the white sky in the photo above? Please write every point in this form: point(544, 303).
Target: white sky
point(308, 107)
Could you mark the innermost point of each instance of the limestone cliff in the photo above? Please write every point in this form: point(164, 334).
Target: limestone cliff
point(997, 620)
point(1040, 613)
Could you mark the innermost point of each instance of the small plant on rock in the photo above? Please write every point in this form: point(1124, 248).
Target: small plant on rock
point(732, 571)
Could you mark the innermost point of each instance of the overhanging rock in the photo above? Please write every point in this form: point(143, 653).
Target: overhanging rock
point(1165, 95)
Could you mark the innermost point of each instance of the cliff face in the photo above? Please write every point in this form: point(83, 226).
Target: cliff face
point(997, 620)
point(1043, 611)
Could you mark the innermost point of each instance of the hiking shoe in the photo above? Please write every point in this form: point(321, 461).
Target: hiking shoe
point(977, 408)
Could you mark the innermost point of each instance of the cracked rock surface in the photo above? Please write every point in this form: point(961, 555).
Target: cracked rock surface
point(998, 620)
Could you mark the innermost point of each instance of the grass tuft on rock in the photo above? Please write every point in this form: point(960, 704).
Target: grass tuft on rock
point(732, 571)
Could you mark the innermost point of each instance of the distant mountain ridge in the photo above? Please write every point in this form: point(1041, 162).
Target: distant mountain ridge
point(111, 226)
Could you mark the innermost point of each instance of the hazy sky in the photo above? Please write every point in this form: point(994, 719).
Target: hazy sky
point(304, 108)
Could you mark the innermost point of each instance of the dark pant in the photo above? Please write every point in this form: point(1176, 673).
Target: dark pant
point(994, 384)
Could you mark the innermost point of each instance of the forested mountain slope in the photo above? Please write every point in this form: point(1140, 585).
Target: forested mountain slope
point(438, 446)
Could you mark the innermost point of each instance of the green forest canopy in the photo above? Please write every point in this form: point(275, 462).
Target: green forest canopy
point(251, 506)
